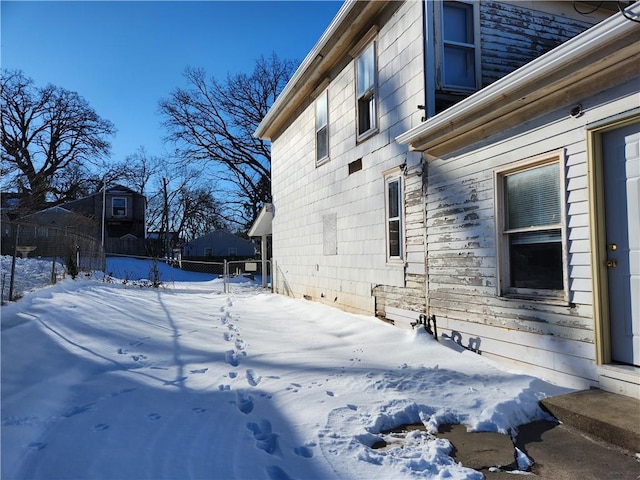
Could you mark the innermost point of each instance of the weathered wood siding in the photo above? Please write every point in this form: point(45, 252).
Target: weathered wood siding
point(315, 203)
point(512, 35)
point(403, 304)
point(555, 341)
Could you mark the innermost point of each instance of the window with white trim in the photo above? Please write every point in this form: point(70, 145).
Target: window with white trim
point(119, 206)
point(459, 50)
point(394, 203)
point(322, 128)
point(531, 233)
point(366, 91)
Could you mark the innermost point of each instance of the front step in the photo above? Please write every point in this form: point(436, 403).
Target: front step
point(610, 417)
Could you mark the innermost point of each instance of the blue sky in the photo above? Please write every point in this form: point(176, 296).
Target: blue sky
point(124, 56)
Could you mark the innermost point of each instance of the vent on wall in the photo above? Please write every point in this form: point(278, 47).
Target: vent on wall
point(355, 166)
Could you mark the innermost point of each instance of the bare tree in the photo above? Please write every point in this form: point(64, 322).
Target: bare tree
point(214, 122)
point(180, 201)
point(138, 169)
point(48, 135)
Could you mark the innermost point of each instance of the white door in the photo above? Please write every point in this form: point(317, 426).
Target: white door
point(621, 155)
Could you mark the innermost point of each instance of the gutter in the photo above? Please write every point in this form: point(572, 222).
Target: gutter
point(586, 46)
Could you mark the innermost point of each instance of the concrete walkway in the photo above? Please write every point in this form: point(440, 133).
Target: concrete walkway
point(597, 438)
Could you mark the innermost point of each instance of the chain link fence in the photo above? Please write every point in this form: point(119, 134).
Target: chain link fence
point(45, 253)
point(34, 255)
point(157, 271)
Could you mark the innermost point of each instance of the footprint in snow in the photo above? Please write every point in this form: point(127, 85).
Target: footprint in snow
point(138, 358)
point(330, 393)
point(200, 370)
point(228, 336)
point(244, 403)
point(224, 388)
point(233, 374)
point(231, 357)
point(240, 344)
point(303, 451)
point(154, 416)
point(265, 439)
point(198, 410)
point(101, 427)
point(252, 378)
point(122, 351)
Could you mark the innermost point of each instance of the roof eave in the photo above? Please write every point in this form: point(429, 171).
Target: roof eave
point(332, 46)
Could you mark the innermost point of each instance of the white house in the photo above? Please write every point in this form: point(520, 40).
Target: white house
point(533, 212)
point(375, 213)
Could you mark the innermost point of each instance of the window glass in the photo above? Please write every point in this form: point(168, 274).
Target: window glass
point(119, 206)
point(458, 46)
point(532, 209)
point(532, 197)
point(322, 130)
point(536, 260)
point(458, 24)
point(394, 218)
point(366, 89)
point(459, 67)
point(366, 70)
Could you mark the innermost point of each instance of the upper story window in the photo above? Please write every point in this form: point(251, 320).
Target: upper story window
point(394, 215)
point(322, 128)
point(366, 91)
point(532, 259)
point(119, 206)
point(459, 52)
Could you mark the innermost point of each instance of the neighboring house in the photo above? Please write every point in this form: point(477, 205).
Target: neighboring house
point(403, 228)
point(119, 226)
point(121, 215)
point(219, 244)
point(52, 232)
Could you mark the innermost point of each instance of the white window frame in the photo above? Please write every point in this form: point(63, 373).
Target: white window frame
point(391, 177)
point(442, 44)
point(321, 125)
point(502, 241)
point(113, 207)
point(371, 94)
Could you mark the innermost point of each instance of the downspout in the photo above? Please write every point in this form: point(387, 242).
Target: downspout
point(428, 35)
point(429, 111)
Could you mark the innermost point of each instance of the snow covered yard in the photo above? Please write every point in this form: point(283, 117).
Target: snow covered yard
point(110, 381)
